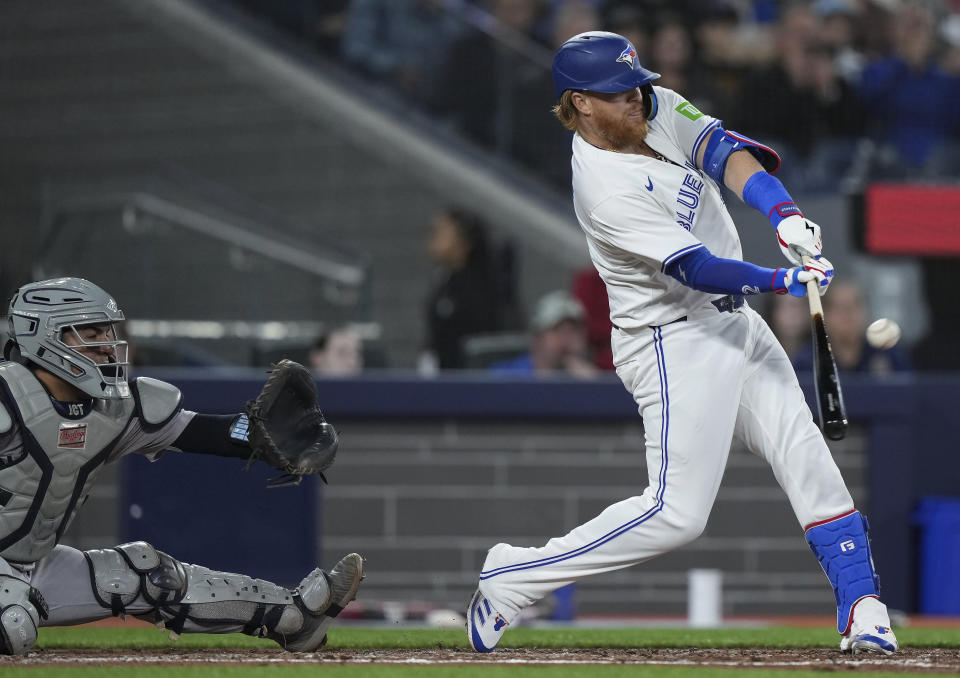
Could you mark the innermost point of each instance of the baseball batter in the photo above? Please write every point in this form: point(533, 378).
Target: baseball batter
point(702, 366)
point(67, 410)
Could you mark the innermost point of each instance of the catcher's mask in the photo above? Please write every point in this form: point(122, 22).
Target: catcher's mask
point(68, 326)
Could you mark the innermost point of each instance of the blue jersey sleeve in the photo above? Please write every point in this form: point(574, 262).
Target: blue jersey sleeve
point(704, 272)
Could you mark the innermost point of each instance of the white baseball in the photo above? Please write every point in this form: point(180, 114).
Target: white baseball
point(883, 333)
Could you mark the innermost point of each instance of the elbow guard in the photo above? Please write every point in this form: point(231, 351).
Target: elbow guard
point(722, 143)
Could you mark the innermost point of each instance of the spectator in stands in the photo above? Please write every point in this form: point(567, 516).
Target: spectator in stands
point(401, 43)
point(913, 104)
point(591, 292)
point(671, 53)
point(481, 75)
point(845, 313)
point(803, 85)
point(558, 340)
point(337, 353)
point(838, 34)
point(464, 299)
point(484, 74)
point(721, 57)
point(536, 145)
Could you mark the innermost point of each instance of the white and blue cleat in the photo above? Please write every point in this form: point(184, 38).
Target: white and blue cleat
point(870, 629)
point(485, 626)
point(878, 639)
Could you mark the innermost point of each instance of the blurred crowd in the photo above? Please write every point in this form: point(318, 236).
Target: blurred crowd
point(843, 89)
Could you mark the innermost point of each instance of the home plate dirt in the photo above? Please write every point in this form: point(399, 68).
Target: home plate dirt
point(908, 660)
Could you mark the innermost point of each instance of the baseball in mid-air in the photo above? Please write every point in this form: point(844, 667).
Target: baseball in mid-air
point(883, 333)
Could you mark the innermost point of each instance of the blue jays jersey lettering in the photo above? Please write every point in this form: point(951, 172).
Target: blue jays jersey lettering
point(632, 235)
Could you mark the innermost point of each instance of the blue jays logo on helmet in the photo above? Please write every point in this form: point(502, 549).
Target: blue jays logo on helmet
point(591, 61)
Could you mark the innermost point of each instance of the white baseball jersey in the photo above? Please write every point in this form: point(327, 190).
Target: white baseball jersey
point(640, 214)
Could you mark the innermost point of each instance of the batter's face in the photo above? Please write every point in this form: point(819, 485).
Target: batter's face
point(618, 119)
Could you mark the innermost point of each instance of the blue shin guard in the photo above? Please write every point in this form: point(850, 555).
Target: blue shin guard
point(843, 549)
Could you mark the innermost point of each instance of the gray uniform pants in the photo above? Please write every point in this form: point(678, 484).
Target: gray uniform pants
point(63, 578)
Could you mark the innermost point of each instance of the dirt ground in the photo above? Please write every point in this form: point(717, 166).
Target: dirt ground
point(908, 660)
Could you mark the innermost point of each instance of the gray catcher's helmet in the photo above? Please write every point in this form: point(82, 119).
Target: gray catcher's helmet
point(43, 314)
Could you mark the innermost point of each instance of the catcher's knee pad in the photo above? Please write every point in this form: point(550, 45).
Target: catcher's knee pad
point(20, 610)
point(135, 570)
point(843, 549)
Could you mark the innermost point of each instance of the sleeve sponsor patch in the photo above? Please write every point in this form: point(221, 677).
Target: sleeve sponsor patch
point(688, 110)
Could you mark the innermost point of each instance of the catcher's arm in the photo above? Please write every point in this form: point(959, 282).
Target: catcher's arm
point(214, 434)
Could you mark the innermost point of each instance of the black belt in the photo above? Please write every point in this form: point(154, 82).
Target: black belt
point(727, 304)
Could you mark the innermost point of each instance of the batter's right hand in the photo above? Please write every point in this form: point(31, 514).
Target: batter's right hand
point(798, 236)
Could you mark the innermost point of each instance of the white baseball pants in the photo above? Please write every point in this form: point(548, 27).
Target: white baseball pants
point(698, 384)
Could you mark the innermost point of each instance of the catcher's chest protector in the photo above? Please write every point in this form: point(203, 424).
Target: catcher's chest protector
point(47, 462)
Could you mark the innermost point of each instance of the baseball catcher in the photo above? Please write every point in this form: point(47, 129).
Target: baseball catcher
point(66, 411)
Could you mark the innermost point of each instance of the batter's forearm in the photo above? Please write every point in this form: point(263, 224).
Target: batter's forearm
point(705, 272)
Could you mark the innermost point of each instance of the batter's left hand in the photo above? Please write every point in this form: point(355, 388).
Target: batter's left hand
point(795, 279)
point(821, 267)
point(798, 235)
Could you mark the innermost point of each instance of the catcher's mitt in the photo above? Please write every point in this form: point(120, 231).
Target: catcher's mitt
point(286, 427)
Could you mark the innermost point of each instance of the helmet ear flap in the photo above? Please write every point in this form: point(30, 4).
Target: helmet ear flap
point(11, 351)
point(649, 101)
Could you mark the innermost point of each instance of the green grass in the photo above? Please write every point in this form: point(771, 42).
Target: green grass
point(146, 639)
point(458, 671)
point(356, 637)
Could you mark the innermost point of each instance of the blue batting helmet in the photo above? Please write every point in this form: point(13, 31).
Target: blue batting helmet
point(599, 61)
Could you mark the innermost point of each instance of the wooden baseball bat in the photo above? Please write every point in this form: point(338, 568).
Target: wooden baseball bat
point(833, 412)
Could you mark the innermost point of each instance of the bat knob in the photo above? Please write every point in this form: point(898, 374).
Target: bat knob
point(835, 430)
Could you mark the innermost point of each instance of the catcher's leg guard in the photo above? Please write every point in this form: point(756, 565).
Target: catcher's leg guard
point(21, 607)
point(320, 597)
point(137, 579)
point(843, 549)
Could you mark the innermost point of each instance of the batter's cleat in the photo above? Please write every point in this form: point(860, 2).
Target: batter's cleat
point(320, 597)
point(870, 629)
point(878, 639)
point(485, 626)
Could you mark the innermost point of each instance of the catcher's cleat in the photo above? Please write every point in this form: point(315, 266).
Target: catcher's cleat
point(870, 630)
point(485, 626)
point(320, 597)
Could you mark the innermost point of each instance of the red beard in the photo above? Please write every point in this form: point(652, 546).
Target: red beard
point(622, 132)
